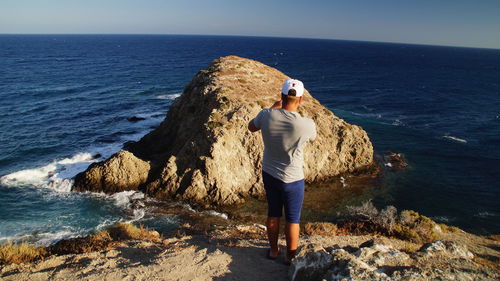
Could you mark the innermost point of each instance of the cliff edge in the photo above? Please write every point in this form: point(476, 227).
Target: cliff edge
point(202, 152)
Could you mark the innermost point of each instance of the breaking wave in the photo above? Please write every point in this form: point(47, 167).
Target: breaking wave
point(169, 96)
point(455, 139)
point(56, 176)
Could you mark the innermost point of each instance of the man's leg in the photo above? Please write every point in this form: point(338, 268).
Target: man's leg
point(292, 231)
point(273, 231)
point(294, 196)
point(275, 207)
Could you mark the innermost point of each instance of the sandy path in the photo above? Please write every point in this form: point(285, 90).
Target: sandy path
point(181, 259)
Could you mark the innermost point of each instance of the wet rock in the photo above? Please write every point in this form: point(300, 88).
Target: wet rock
point(203, 153)
point(395, 160)
point(135, 119)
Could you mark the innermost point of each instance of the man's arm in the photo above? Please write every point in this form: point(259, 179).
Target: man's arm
point(251, 127)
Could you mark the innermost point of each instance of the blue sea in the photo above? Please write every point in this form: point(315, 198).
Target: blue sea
point(65, 101)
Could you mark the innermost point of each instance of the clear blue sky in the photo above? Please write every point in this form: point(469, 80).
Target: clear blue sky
point(474, 23)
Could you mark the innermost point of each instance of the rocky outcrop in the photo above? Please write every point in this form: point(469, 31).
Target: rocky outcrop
point(395, 161)
point(202, 152)
point(373, 260)
point(121, 172)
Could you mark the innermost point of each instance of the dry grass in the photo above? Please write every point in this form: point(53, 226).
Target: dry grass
point(103, 239)
point(449, 228)
point(22, 253)
point(495, 237)
point(486, 262)
point(320, 228)
point(410, 247)
point(96, 242)
point(124, 231)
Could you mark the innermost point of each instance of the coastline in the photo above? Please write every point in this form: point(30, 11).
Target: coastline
point(237, 252)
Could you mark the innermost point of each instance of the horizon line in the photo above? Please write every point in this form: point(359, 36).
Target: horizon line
point(262, 36)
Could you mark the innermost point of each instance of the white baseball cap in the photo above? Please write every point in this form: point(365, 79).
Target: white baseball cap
point(295, 84)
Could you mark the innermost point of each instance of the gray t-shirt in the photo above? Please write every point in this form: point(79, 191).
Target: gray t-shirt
point(284, 133)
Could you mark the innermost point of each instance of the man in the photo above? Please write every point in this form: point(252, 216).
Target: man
point(285, 134)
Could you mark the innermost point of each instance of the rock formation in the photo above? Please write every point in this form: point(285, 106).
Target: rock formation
point(373, 260)
point(202, 152)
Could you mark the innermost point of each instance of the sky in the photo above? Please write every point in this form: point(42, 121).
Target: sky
point(471, 23)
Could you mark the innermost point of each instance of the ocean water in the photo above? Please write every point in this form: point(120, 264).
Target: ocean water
point(65, 100)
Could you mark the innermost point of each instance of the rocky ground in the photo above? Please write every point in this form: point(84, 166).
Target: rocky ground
point(238, 253)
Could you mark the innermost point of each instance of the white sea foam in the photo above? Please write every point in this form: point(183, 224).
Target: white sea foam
point(105, 223)
point(56, 175)
point(367, 108)
point(484, 214)
point(343, 181)
point(123, 199)
point(188, 207)
point(208, 212)
point(397, 122)
point(455, 139)
point(137, 215)
point(45, 239)
point(215, 213)
point(442, 219)
point(169, 96)
point(375, 115)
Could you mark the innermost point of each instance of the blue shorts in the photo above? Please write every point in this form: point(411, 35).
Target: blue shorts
point(281, 194)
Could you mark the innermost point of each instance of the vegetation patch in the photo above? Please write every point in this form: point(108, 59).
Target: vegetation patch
point(211, 69)
point(408, 225)
point(95, 242)
point(320, 228)
point(449, 228)
point(124, 231)
point(22, 253)
point(102, 240)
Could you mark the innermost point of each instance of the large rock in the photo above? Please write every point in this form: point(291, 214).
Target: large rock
point(122, 171)
point(202, 152)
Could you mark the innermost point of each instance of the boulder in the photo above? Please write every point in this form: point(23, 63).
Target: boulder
point(122, 171)
point(202, 152)
point(446, 248)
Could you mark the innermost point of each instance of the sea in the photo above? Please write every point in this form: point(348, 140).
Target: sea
point(67, 101)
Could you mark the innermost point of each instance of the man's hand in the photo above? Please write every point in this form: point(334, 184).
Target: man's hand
point(277, 105)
